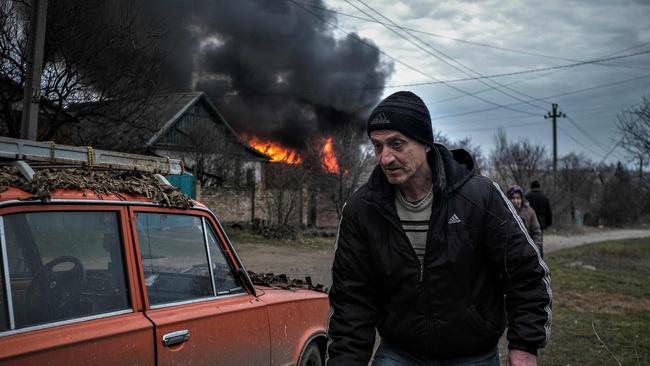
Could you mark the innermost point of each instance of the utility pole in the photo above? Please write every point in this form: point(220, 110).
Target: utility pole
point(35, 51)
point(554, 114)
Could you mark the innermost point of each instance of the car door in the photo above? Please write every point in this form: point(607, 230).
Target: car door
point(202, 313)
point(68, 288)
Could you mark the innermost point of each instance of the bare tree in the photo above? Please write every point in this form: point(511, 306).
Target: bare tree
point(576, 182)
point(517, 162)
point(441, 138)
point(620, 202)
point(284, 183)
point(352, 153)
point(97, 53)
point(634, 124)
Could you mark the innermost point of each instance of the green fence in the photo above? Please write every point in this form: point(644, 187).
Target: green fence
point(185, 182)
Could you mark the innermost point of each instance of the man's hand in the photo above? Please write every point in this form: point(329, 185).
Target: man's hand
point(521, 358)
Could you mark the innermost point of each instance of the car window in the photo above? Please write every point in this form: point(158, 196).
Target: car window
point(4, 315)
point(64, 265)
point(225, 281)
point(174, 257)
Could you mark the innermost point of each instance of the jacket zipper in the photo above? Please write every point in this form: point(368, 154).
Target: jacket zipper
point(421, 271)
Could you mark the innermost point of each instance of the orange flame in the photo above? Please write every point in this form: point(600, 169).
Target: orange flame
point(328, 158)
point(277, 152)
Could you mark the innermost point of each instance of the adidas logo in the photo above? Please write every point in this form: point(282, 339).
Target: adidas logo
point(380, 119)
point(454, 219)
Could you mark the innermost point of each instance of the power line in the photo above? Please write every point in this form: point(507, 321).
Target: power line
point(441, 53)
point(424, 83)
point(578, 142)
point(591, 110)
point(488, 89)
point(614, 146)
point(594, 140)
point(587, 148)
point(539, 76)
point(495, 128)
point(506, 49)
point(499, 119)
point(484, 120)
point(548, 97)
point(407, 65)
point(354, 36)
point(589, 136)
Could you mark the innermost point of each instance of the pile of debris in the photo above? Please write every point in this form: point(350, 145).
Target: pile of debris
point(284, 282)
point(280, 232)
point(100, 182)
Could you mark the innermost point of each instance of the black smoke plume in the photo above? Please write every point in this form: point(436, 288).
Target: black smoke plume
point(274, 68)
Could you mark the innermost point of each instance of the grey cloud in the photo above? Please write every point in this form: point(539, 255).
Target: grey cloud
point(282, 62)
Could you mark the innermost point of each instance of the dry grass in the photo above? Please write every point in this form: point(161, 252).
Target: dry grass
point(602, 316)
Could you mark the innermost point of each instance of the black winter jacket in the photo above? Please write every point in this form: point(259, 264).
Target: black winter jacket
point(453, 305)
point(542, 207)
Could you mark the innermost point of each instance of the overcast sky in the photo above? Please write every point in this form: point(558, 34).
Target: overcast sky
point(536, 34)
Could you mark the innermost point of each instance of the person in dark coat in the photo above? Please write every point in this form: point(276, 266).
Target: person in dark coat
point(539, 202)
point(426, 251)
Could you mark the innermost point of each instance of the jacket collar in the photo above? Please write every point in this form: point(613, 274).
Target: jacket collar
point(450, 170)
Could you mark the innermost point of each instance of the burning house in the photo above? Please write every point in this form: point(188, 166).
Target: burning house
point(283, 79)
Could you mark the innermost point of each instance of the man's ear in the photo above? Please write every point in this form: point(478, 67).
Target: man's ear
point(428, 148)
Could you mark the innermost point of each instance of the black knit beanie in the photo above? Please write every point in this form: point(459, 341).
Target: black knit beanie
point(404, 112)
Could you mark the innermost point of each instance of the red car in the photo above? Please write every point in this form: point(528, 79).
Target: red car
point(97, 278)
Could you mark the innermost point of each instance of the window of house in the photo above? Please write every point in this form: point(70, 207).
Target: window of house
point(174, 257)
point(64, 265)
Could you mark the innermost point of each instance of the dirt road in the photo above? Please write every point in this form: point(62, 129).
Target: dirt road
point(301, 262)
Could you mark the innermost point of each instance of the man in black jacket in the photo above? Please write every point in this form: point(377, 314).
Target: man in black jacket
point(540, 204)
point(425, 253)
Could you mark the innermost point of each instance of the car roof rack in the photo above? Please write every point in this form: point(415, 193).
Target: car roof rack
point(49, 152)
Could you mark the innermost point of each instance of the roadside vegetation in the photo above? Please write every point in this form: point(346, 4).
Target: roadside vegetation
point(601, 308)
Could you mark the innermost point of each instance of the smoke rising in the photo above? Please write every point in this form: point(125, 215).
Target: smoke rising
point(273, 69)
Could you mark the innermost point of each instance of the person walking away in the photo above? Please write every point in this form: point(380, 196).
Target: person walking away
point(539, 202)
point(426, 251)
point(527, 214)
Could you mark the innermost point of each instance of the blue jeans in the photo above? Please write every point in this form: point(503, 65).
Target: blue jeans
point(390, 356)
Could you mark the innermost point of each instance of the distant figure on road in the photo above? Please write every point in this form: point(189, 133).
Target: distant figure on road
point(426, 251)
point(540, 204)
point(516, 196)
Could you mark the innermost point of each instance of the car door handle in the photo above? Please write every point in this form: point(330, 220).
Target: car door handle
point(176, 337)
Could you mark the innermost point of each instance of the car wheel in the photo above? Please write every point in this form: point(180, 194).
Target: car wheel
point(311, 356)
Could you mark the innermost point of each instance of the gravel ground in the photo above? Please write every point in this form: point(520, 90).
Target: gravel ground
point(302, 262)
point(557, 242)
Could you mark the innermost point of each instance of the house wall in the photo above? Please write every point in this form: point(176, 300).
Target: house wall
point(327, 216)
point(234, 206)
point(230, 205)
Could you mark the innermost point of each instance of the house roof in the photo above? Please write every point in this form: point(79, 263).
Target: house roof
point(157, 116)
point(164, 110)
point(168, 108)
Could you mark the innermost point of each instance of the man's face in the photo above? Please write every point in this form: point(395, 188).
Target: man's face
point(399, 156)
point(516, 200)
